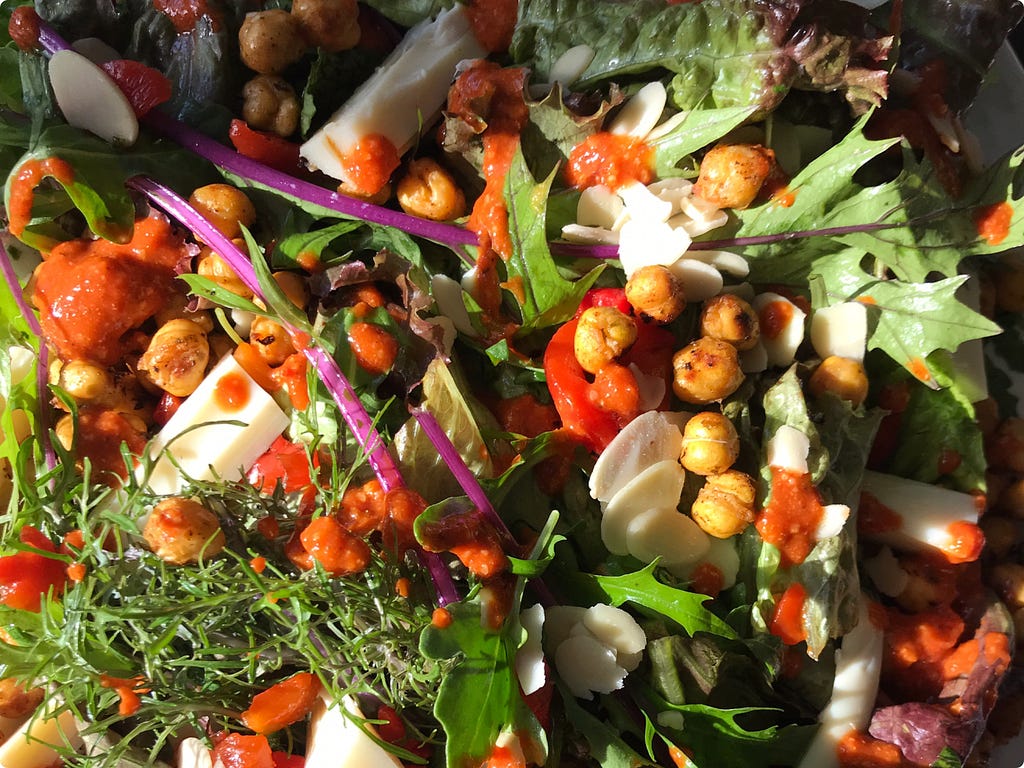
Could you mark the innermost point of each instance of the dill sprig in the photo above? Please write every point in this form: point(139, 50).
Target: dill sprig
point(204, 638)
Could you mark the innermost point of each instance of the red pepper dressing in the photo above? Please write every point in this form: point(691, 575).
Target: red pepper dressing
point(774, 318)
point(231, 392)
point(22, 190)
point(610, 159)
point(493, 22)
point(792, 515)
point(787, 622)
point(993, 222)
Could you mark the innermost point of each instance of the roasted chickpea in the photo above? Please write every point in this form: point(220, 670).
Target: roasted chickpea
point(269, 103)
point(86, 381)
point(329, 24)
point(841, 376)
point(271, 341)
point(16, 701)
point(725, 504)
point(1010, 500)
point(602, 334)
point(294, 287)
point(731, 175)
point(730, 318)
point(1009, 283)
point(1008, 581)
point(656, 293)
point(64, 429)
point(181, 531)
point(1001, 534)
point(176, 308)
point(706, 370)
point(176, 358)
point(427, 190)
point(710, 444)
point(379, 197)
point(226, 207)
point(1005, 449)
point(270, 41)
point(213, 267)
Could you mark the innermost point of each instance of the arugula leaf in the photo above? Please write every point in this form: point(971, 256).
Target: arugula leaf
point(310, 244)
point(332, 79)
point(545, 297)
point(698, 129)
point(642, 589)
point(908, 321)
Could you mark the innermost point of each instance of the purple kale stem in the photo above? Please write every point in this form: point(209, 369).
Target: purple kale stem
point(43, 362)
point(49, 40)
point(450, 454)
point(356, 417)
point(240, 165)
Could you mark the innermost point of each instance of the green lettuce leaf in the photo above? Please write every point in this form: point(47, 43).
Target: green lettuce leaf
point(697, 130)
point(545, 297)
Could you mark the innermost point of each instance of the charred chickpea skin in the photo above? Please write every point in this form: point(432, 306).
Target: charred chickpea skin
point(731, 319)
point(656, 293)
point(85, 381)
point(226, 207)
point(269, 338)
point(725, 504)
point(731, 175)
point(706, 370)
point(269, 103)
point(427, 190)
point(271, 41)
point(181, 531)
point(176, 358)
point(710, 444)
point(332, 25)
point(213, 267)
point(602, 334)
point(843, 377)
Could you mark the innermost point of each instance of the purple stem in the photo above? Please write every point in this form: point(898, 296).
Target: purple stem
point(49, 40)
point(240, 165)
point(43, 361)
point(356, 417)
point(463, 474)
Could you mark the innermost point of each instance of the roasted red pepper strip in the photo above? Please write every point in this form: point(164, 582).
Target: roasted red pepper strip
point(265, 148)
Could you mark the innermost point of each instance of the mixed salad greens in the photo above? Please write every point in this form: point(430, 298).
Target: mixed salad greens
point(427, 532)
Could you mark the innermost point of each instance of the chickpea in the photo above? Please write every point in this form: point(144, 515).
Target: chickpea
point(731, 175)
point(213, 267)
point(986, 413)
point(16, 701)
point(181, 531)
point(1005, 448)
point(85, 381)
point(427, 190)
point(270, 41)
point(725, 504)
point(379, 197)
point(729, 318)
point(269, 103)
point(706, 370)
point(1008, 581)
point(64, 429)
point(176, 308)
point(841, 376)
point(294, 287)
point(1009, 283)
point(226, 207)
point(710, 444)
point(1011, 499)
point(602, 334)
point(1001, 535)
point(176, 358)
point(271, 341)
point(329, 24)
point(656, 293)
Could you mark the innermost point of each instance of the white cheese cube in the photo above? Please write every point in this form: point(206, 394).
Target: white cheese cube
point(32, 745)
point(788, 449)
point(204, 450)
point(840, 330)
point(782, 327)
point(336, 741)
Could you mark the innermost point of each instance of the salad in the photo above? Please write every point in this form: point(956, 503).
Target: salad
point(561, 382)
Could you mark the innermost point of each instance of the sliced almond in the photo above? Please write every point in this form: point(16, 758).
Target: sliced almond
point(90, 100)
point(666, 533)
point(642, 112)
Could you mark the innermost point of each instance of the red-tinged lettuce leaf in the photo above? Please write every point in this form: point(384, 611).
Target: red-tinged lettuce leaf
point(720, 53)
point(908, 321)
point(963, 34)
point(924, 731)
